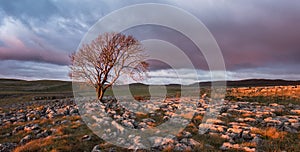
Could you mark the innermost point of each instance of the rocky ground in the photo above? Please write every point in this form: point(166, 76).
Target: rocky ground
point(238, 126)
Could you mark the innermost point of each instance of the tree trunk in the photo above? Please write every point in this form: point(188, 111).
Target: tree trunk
point(100, 93)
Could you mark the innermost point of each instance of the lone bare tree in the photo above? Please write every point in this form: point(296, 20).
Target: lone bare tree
point(101, 62)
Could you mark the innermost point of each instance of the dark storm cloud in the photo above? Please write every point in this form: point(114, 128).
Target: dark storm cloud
point(256, 33)
point(145, 32)
point(47, 31)
point(251, 34)
point(260, 36)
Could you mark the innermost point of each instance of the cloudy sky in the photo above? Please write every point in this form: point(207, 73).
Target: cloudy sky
point(258, 38)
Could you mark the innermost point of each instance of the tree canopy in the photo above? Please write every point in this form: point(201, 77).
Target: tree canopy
point(101, 62)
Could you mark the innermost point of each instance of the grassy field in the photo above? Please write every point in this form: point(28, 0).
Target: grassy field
point(12, 90)
point(68, 136)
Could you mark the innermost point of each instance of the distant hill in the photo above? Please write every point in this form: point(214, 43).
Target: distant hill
point(253, 83)
point(15, 85)
point(237, 83)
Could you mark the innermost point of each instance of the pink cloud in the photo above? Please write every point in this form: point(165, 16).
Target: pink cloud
point(29, 54)
point(13, 33)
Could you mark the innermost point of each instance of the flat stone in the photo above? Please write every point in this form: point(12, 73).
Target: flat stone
point(25, 139)
point(227, 146)
point(128, 124)
point(17, 129)
point(234, 130)
point(295, 112)
point(86, 138)
point(247, 136)
point(44, 134)
point(249, 119)
point(156, 141)
point(271, 120)
point(186, 134)
point(193, 143)
point(296, 125)
point(215, 121)
point(217, 129)
point(96, 149)
point(247, 149)
point(293, 120)
point(180, 147)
